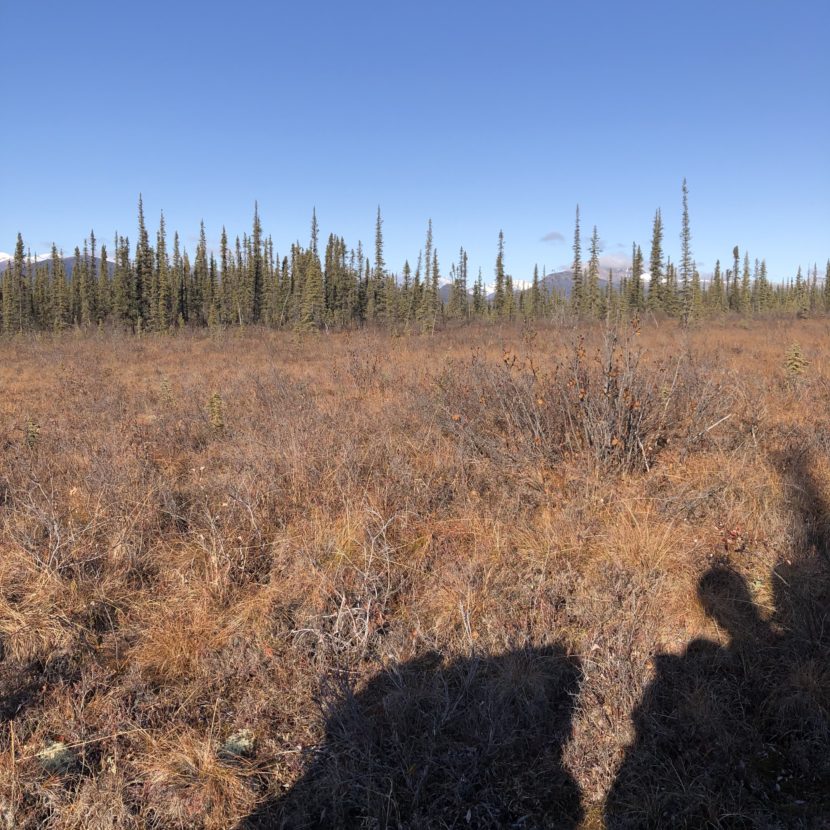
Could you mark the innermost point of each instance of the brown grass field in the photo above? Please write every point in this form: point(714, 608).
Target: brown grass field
point(497, 577)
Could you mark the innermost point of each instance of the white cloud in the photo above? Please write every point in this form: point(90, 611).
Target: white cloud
point(617, 261)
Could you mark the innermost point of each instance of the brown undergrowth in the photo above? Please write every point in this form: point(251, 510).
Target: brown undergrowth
point(475, 579)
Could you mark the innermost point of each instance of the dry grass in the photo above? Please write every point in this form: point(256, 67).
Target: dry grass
point(486, 578)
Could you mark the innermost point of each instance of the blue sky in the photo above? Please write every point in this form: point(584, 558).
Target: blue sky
point(483, 116)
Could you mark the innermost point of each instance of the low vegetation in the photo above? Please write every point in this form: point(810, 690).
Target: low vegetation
point(561, 576)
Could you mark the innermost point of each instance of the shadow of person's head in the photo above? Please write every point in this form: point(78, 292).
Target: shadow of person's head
point(725, 598)
point(475, 741)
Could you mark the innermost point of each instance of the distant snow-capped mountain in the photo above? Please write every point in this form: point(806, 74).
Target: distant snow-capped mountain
point(6, 258)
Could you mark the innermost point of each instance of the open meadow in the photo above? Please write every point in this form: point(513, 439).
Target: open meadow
point(502, 576)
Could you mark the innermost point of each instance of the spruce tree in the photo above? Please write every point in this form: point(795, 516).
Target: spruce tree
point(104, 295)
point(499, 298)
point(84, 270)
point(686, 262)
point(591, 288)
point(479, 296)
point(143, 268)
point(535, 294)
point(164, 291)
point(509, 298)
point(636, 297)
point(59, 291)
point(123, 285)
point(732, 279)
point(14, 299)
point(377, 289)
point(199, 280)
point(406, 309)
point(744, 294)
point(655, 266)
point(716, 290)
point(577, 290)
point(256, 265)
point(40, 295)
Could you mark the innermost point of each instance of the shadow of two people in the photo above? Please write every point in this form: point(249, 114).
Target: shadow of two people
point(739, 735)
point(725, 736)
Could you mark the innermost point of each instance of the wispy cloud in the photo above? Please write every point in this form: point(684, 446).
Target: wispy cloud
point(553, 236)
point(616, 261)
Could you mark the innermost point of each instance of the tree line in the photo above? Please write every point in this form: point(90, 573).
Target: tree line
point(156, 287)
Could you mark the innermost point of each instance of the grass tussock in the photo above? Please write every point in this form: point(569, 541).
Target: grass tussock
point(495, 577)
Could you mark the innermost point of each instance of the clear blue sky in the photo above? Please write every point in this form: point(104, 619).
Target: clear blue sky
point(480, 115)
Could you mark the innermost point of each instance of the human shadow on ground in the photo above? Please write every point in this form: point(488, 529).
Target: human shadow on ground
point(739, 735)
point(476, 742)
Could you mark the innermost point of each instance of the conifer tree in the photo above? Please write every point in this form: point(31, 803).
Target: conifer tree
point(104, 286)
point(591, 288)
point(59, 291)
point(256, 265)
point(670, 298)
point(199, 280)
point(766, 297)
point(686, 262)
point(744, 294)
point(732, 278)
point(535, 294)
point(427, 281)
point(509, 298)
point(814, 288)
point(226, 278)
point(181, 312)
point(577, 291)
point(636, 296)
point(695, 297)
point(406, 307)
point(164, 310)
point(143, 268)
point(655, 266)
point(429, 306)
point(40, 295)
point(84, 308)
point(499, 298)
point(716, 290)
point(312, 311)
point(377, 290)
point(89, 286)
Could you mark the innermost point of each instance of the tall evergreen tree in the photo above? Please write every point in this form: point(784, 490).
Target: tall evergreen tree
point(655, 266)
point(744, 294)
point(59, 303)
point(164, 309)
point(577, 289)
point(143, 268)
point(591, 289)
point(104, 296)
point(499, 298)
point(687, 264)
point(377, 289)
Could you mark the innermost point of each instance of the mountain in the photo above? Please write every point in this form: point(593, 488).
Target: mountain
point(560, 281)
point(6, 261)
